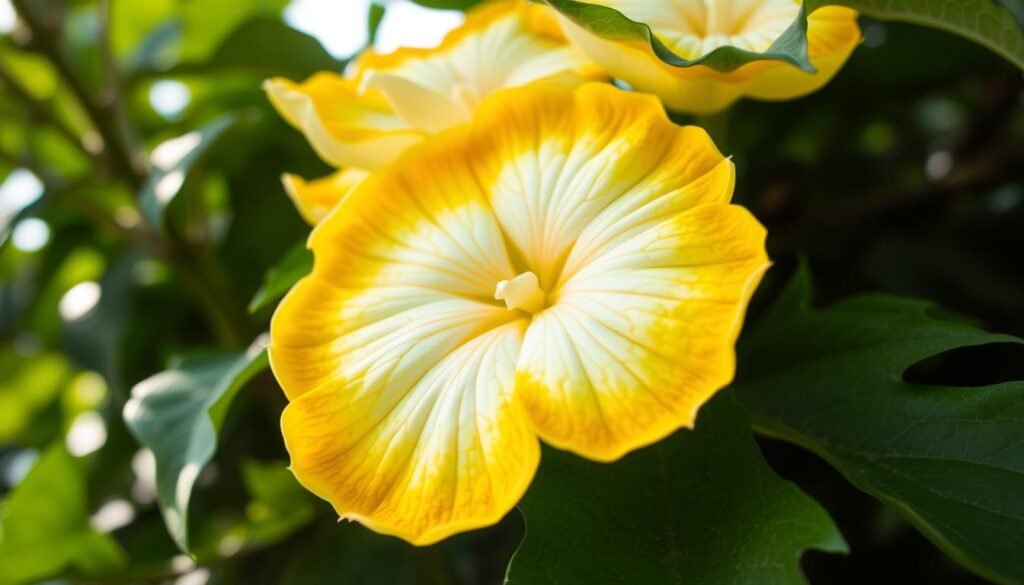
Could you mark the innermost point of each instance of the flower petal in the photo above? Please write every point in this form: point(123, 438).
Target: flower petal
point(555, 162)
point(643, 335)
point(385, 266)
point(398, 362)
point(315, 199)
point(416, 396)
point(421, 448)
point(832, 34)
point(501, 44)
point(345, 128)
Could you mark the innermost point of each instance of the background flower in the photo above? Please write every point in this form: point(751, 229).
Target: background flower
point(694, 28)
point(386, 103)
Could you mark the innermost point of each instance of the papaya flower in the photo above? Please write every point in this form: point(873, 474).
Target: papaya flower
point(385, 103)
point(565, 267)
point(693, 28)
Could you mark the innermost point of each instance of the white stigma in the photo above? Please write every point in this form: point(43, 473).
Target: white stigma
point(522, 292)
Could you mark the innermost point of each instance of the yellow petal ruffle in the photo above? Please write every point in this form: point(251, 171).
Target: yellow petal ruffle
point(691, 31)
point(345, 126)
point(315, 199)
point(416, 398)
point(501, 44)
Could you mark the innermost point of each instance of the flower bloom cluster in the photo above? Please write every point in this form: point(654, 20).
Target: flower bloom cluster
point(512, 251)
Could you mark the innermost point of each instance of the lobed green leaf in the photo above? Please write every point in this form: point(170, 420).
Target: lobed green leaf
point(701, 507)
point(950, 460)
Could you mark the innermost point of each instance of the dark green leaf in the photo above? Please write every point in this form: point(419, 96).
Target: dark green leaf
point(266, 47)
point(177, 414)
point(448, 4)
point(373, 20)
point(950, 460)
point(347, 552)
point(280, 506)
point(207, 24)
point(701, 507)
point(296, 264)
point(982, 21)
point(172, 162)
point(46, 525)
point(94, 338)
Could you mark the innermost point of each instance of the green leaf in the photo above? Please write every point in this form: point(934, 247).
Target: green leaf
point(448, 4)
point(266, 47)
point(177, 415)
point(132, 22)
point(373, 20)
point(280, 506)
point(347, 552)
point(296, 264)
point(45, 525)
point(28, 386)
point(206, 24)
point(172, 161)
point(93, 339)
point(950, 460)
point(701, 507)
point(981, 21)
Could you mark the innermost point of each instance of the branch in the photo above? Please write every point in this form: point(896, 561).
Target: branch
point(110, 95)
point(45, 39)
point(38, 112)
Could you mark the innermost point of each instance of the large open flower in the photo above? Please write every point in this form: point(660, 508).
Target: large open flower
point(386, 103)
point(693, 28)
point(566, 266)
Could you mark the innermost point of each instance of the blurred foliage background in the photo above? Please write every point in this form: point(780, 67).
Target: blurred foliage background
point(141, 208)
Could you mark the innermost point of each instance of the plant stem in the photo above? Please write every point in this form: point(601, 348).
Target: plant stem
point(110, 95)
point(38, 112)
point(44, 38)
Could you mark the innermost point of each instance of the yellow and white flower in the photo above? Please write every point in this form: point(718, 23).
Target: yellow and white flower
point(387, 103)
point(693, 28)
point(566, 266)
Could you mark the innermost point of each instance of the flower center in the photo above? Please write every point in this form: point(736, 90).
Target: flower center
point(696, 27)
point(522, 292)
